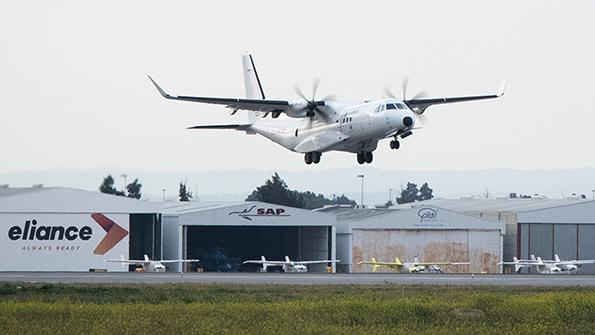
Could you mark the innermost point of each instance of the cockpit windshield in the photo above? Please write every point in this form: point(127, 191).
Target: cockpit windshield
point(390, 106)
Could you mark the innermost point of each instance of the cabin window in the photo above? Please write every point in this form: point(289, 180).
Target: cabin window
point(296, 132)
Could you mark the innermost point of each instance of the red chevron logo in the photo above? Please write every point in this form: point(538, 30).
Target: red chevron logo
point(114, 233)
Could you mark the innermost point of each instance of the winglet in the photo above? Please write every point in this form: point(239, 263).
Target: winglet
point(502, 88)
point(161, 91)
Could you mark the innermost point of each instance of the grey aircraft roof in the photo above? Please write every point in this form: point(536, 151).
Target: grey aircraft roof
point(492, 205)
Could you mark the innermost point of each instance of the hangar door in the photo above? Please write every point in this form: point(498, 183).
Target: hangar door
point(224, 248)
point(145, 236)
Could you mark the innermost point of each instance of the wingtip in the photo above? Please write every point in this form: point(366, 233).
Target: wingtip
point(161, 91)
point(502, 88)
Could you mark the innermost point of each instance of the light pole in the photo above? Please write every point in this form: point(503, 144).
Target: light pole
point(163, 191)
point(593, 194)
point(362, 191)
point(390, 195)
point(125, 176)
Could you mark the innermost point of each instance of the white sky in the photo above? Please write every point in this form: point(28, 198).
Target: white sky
point(74, 91)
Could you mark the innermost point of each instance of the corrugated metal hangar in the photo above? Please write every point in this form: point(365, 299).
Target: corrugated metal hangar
point(64, 229)
point(543, 227)
point(428, 232)
point(222, 235)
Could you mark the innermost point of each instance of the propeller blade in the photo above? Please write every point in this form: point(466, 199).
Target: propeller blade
point(330, 97)
point(388, 93)
point(420, 95)
point(299, 92)
point(315, 88)
point(404, 85)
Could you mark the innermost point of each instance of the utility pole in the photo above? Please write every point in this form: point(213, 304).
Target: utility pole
point(125, 176)
point(362, 191)
point(163, 191)
point(390, 195)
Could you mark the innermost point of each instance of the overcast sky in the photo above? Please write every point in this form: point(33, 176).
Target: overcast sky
point(74, 91)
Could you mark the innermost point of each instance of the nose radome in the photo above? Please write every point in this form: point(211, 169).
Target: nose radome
point(408, 121)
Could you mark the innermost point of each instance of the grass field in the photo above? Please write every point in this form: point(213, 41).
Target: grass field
point(215, 309)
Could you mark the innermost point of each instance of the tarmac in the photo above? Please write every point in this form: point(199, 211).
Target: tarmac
point(557, 280)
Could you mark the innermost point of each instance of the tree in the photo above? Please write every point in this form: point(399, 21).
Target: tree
point(184, 193)
point(425, 193)
point(275, 191)
point(134, 189)
point(108, 186)
point(409, 194)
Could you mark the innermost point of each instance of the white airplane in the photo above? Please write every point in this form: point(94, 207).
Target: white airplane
point(318, 126)
point(149, 265)
point(550, 266)
point(410, 267)
point(287, 265)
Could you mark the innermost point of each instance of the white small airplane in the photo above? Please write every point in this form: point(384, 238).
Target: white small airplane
point(410, 267)
point(149, 265)
point(287, 265)
point(318, 126)
point(549, 266)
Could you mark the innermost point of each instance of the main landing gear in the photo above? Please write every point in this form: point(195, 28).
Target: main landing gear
point(394, 144)
point(312, 157)
point(364, 157)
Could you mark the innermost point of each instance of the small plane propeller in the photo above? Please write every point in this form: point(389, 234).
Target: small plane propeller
point(312, 105)
point(419, 95)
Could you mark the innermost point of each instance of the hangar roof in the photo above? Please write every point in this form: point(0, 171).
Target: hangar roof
point(492, 205)
point(68, 200)
point(348, 213)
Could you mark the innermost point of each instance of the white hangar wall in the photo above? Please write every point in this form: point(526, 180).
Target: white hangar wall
point(63, 229)
point(430, 233)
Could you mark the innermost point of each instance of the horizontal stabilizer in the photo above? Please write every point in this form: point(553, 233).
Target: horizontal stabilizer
point(242, 127)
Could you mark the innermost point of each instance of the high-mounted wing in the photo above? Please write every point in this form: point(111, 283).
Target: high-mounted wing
point(316, 262)
point(272, 263)
point(127, 261)
point(179, 260)
point(420, 105)
point(439, 263)
point(391, 264)
point(257, 105)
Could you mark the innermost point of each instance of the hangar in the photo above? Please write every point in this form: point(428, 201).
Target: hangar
point(224, 234)
point(431, 233)
point(538, 226)
point(65, 229)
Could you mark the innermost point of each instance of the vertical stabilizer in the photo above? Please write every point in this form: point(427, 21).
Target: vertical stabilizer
point(252, 83)
point(146, 258)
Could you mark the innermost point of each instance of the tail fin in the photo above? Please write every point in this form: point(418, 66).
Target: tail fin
point(264, 265)
point(557, 258)
point(517, 267)
point(252, 84)
point(533, 258)
point(287, 259)
point(375, 266)
point(147, 258)
point(415, 259)
point(398, 261)
point(539, 261)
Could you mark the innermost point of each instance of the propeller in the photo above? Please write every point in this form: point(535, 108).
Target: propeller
point(404, 86)
point(312, 105)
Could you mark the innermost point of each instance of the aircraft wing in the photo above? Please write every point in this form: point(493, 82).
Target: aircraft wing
point(257, 105)
point(271, 263)
point(127, 261)
point(421, 104)
point(577, 262)
point(179, 260)
point(439, 263)
point(316, 262)
point(391, 264)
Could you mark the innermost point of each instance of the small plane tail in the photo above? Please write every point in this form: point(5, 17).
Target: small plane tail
point(287, 259)
point(375, 266)
point(557, 258)
point(533, 258)
point(517, 266)
point(252, 84)
point(147, 258)
point(264, 263)
point(398, 261)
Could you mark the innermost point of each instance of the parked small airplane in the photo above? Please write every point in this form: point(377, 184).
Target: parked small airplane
point(316, 125)
point(409, 267)
point(548, 266)
point(287, 265)
point(149, 265)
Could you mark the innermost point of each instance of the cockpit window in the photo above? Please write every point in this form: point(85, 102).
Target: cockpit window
point(377, 109)
point(390, 106)
point(399, 106)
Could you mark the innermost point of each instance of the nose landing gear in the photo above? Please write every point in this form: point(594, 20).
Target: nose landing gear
point(394, 144)
point(312, 157)
point(364, 157)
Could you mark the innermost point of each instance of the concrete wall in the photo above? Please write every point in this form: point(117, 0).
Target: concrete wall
point(481, 248)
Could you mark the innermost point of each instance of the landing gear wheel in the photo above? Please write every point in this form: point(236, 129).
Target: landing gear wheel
point(394, 144)
point(368, 157)
point(308, 158)
point(360, 158)
point(316, 157)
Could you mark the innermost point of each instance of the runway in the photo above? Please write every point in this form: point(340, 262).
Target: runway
point(299, 278)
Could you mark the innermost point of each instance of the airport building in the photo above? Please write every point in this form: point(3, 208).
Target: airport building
point(64, 229)
point(542, 227)
point(430, 233)
point(224, 234)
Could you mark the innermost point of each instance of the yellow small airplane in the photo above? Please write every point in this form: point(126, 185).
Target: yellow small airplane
point(410, 267)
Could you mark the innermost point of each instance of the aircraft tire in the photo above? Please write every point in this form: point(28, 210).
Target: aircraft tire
point(308, 158)
point(395, 145)
point(360, 158)
point(316, 157)
point(368, 157)
point(392, 144)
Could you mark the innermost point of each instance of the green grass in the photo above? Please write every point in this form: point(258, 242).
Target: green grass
point(218, 309)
